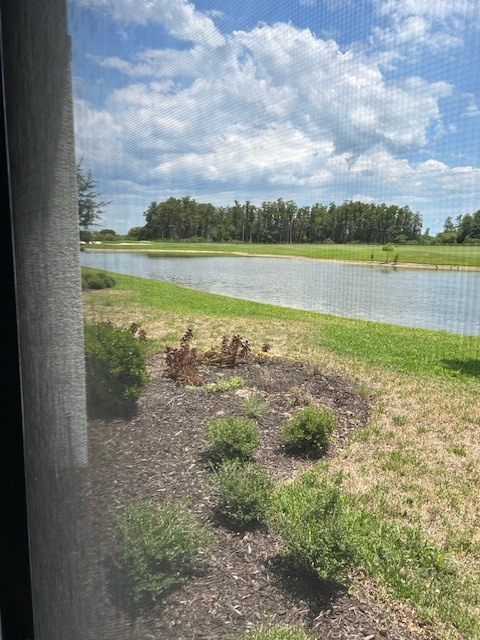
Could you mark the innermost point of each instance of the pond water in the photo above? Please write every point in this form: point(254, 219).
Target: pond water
point(430, 299)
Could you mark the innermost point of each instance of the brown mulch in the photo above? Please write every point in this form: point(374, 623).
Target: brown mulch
point(241, 582)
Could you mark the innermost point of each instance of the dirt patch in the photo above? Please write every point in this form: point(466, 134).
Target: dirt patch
point(242, 582)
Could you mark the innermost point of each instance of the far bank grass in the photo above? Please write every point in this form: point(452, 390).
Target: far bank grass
point(418, 461)
point(456, 255)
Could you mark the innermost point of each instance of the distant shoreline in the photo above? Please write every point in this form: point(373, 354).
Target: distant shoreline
point(244, 254)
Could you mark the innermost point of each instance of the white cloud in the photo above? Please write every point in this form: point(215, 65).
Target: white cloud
point(437, 9)
point(416, 24)
point(273, 96)
point(280, 74)
point(178, 16)
point(471, 110)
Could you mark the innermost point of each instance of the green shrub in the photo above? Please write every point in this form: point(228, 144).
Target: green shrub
point(116, 366)
point(277, 632)
point(243, 491)
point(234, 382)
point(309, 429)
point(231, 438)
point(99, 280)
point(308, 515)
point(155, 545)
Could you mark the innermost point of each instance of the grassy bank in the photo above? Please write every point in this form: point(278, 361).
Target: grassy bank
point(417, 462)
point(457, 255)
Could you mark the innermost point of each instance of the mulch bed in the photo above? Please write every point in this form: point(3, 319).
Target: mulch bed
point(242, 581)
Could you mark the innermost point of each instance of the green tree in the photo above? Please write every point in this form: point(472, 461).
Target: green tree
point(388, 248)
point(449, 226)
point(447, 237)
point(89, 205)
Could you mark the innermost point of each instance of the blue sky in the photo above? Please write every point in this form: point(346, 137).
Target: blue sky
point(309, 100)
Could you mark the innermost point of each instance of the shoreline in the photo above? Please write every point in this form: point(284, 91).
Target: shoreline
point(244, 254)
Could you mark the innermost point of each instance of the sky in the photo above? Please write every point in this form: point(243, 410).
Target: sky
point(306, 100)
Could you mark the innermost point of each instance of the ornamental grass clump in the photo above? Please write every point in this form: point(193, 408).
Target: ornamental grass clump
point(243, 491)
point(309, 429)
point(255, 405)
point(231, 438)
point(155, 545)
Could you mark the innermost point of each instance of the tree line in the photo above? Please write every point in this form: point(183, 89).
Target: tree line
point(279, 222)
point(464, 230)
point(274, 222)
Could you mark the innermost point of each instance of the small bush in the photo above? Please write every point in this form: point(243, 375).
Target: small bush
point(243, 491)
point(277, 632)
point(255, 405)
point(309, 517)
point(155, 545)
point(231, 438)
point(309, 429)
point(116, 367)
point(235, 382)
point(99, 280)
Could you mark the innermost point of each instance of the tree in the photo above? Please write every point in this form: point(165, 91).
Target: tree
point(388, 248)
point(449, 226)
point(89, 207)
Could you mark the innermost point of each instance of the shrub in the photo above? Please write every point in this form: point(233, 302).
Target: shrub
point(234, 382)
point(155, 545)
point(308, 515)
point(309, 429)
point(243, 491)
point(99, 280)
point(231, 438)
point(182, 362)
point(116, 366)
point(228, 353)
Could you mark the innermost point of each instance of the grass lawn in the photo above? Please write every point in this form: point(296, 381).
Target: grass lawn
point(417, 462)
point(458, 255)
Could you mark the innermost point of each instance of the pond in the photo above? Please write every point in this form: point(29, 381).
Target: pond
point(443, 300)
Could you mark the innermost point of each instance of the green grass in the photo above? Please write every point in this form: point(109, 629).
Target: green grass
point(456, 255)
point(415, 570)
point(426, 352)
point(329, 530)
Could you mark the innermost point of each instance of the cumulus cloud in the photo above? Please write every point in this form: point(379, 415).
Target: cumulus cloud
point(415, 24)
point(265, 79)
point(179, 17)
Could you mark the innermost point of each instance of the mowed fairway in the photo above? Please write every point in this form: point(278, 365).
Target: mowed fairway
point(418, 460)
point(456, 255)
